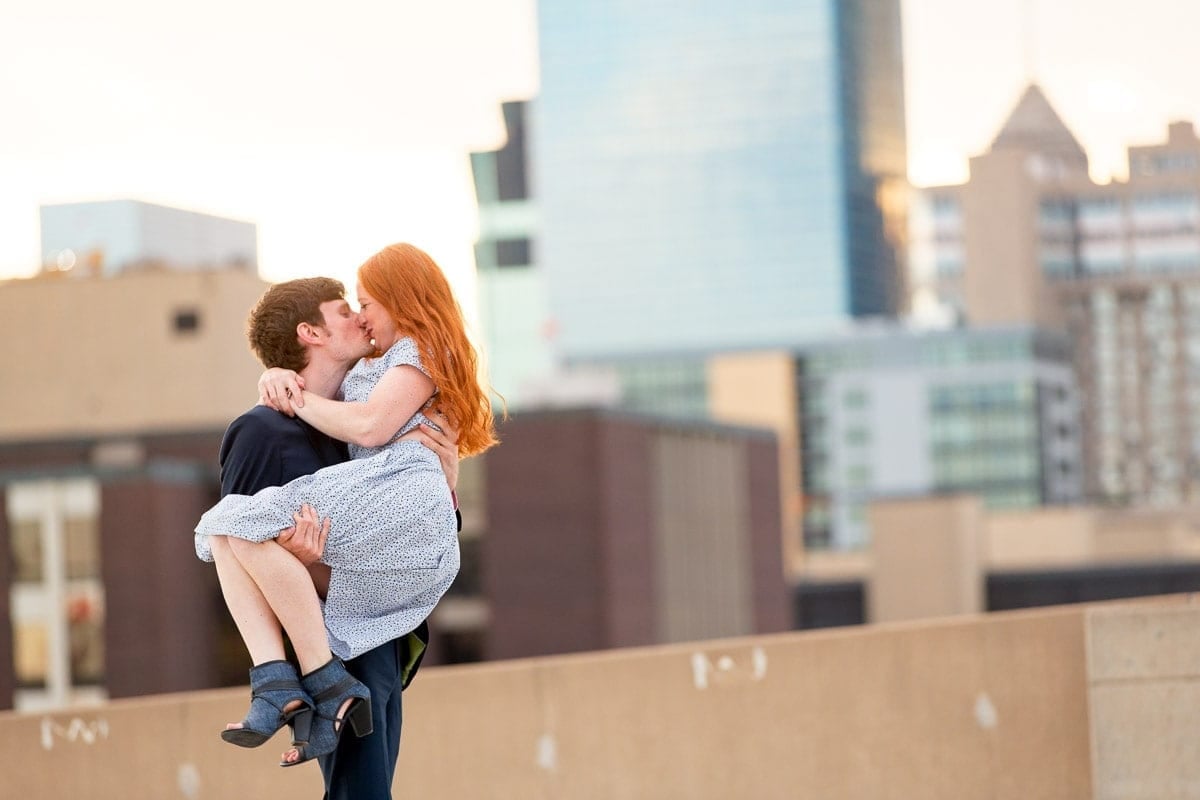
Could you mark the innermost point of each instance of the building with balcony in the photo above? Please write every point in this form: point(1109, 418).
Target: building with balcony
point(1031, 238)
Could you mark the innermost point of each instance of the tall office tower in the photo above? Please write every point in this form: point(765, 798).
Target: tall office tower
point(111, 236)
point(512, 287)
point(713, 175)
point(1031, 237)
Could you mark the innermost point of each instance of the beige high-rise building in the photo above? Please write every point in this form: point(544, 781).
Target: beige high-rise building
point(1031, 238)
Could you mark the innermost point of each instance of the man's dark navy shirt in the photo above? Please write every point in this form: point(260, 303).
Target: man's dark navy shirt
point(264, 448)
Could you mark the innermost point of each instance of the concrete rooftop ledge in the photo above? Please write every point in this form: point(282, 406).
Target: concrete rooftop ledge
point(1068, 702)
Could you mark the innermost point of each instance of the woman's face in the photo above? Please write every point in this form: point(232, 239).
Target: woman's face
point(376, 320)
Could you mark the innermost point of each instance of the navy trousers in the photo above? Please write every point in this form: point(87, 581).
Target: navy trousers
point(363, 769)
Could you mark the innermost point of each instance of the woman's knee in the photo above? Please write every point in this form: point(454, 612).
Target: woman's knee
point(240, 547)
point(219, 546)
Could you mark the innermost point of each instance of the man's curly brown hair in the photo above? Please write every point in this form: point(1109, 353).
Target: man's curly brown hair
point(273, 321)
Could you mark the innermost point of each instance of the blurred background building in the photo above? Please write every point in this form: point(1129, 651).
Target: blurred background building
point(1030, 238)
point(108, 449)
point(105, 473)
point(727, 177)
point(517, 330)
point(694, 239)
point(111, 236)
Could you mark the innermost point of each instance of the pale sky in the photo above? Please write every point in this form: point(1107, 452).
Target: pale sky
point(339, 131)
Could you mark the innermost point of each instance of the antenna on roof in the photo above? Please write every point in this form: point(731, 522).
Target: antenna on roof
point(1029, 40)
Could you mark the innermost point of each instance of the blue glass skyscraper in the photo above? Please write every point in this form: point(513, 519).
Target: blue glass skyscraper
point(717, 175)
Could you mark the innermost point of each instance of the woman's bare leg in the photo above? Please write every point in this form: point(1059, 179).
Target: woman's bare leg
point(255, 620)
point(287, 589)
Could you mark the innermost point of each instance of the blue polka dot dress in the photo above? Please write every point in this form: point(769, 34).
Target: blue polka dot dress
point(393, 542)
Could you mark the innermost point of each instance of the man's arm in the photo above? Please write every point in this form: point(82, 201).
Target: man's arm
point(306, 541)
point(444, 442)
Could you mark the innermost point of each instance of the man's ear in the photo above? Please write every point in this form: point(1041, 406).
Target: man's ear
point(308, 333)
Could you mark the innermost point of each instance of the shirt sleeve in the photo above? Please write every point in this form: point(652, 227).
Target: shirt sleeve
point(403, 353)
point(247, 462)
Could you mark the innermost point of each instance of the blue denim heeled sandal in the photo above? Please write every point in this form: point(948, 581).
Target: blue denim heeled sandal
point(318, 731)
point(273, 685)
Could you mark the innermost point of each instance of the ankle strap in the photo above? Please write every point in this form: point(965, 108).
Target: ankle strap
point(341, 687)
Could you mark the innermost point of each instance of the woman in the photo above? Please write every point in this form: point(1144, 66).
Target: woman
point(392, 550)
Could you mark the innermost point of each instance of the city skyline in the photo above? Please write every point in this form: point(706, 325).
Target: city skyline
point(277, 119)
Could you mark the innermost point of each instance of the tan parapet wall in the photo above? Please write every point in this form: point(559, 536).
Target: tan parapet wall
point(1144, 696)
point(1047, 703)
point(987, 706)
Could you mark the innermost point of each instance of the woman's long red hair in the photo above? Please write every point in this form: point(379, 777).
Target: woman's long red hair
point(410, 285)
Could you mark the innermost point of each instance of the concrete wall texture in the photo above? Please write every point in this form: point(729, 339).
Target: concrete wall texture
point(1072, 702)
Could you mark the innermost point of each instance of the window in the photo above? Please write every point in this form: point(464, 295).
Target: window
point(855, 398)
point(57, 593)
point(26, 542)
point(858, 476)
point(857, 436)
point(82, 547)
point(513, 253)
point(510, 160)
point(187, 321)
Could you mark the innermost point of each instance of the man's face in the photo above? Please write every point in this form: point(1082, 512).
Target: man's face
point(347, 339)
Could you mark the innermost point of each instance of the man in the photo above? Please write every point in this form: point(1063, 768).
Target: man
point(306, 325)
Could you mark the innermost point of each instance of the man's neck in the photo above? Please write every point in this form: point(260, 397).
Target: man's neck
point(323, 378)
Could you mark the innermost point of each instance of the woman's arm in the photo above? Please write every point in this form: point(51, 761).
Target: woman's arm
point(400, 393)
point(277, 387)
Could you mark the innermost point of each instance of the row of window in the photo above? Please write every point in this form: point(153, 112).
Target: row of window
point(57, 595)
point(939, 351)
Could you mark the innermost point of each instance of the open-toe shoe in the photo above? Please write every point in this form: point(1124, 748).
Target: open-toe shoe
point(273, 686)
point(318, 732)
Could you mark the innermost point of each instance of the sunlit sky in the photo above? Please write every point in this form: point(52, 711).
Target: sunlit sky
point(340, 131)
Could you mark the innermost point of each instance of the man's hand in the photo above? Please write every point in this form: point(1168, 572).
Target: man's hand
point(306, 539)
point(280, 389)
point(443, 442)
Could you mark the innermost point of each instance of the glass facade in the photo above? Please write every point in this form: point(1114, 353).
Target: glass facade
point(1098, 235)
point(713, 176)
point(672, 387)
point(990, 413)
point(111, 236)
point(518, 333)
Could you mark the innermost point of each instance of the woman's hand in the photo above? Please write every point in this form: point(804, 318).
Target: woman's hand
point(281, 389)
